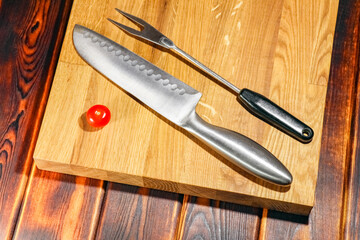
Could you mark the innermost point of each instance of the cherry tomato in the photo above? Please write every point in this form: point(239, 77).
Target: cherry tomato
point(98, 116)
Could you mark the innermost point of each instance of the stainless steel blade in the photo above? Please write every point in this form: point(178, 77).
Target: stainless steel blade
point(162, 92)
point(175, 101)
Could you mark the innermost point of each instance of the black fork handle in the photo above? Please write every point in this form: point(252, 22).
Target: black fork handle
point(271, 113)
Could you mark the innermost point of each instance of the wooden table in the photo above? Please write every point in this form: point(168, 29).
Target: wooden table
point(37, 204)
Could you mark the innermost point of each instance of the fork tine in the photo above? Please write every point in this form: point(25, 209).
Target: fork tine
point(133, 18)
point(148, 32)
point(126, 28)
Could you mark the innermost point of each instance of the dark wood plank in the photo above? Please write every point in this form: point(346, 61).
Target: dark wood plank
point(138, 213)
point(351, 224)
point(325, 220)
point(58, 206)
point(208, 219)
point(55, 206)
point(30, 33)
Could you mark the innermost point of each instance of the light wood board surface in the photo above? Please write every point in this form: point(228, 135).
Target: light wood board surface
point(281, 49)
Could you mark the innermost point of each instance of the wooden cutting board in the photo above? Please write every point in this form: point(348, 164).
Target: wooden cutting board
point(281, 49)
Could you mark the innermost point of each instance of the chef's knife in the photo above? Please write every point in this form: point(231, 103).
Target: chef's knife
point(175, 101)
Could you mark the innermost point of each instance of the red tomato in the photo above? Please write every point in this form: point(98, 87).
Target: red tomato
point(98, 116)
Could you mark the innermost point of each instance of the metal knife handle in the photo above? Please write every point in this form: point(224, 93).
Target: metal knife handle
point(271, 113)
point(240, 150)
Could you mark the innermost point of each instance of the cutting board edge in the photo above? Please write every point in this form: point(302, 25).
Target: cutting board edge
point(182, 188)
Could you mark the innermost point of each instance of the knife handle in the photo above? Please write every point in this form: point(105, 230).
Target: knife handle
point(239, 150)
point(271, 113)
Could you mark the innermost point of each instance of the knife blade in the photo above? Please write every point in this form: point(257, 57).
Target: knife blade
point(176, 101)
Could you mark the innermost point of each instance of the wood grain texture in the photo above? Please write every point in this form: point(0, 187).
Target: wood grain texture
point(351, 204)
point(138, 213)
point(208, 219)
point(336, 188)
point(335, 215)
point(30, 33)
point(58, 206)
point(291, 69)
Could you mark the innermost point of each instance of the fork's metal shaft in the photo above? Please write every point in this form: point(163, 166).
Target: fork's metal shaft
point(206, 69)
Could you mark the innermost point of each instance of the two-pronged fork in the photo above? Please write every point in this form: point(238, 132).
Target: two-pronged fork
point(254, 102)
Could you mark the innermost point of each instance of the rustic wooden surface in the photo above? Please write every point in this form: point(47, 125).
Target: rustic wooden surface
point(280, 49)
point(36, 204)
